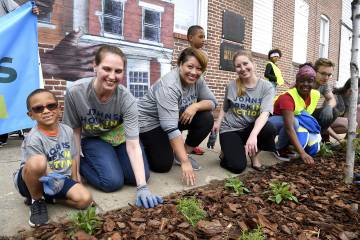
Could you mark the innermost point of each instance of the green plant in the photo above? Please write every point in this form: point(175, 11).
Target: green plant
point(191, 209)
point(236, 185)
point(255, 234)
point(325, 150)
point(356, 146)
point(86, 220)
point(280, 191)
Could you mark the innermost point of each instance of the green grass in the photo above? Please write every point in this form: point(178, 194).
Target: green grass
point(255, 234)
point(236, 185)
point(280, 191)
point(86, 220)
point(191, 209)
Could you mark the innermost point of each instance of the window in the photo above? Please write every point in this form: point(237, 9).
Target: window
point(139, 83)
point(188, 13)
point(113, 12)
point(138, 78)
point(45, 7)
point(262, 26)
point(324, 37)
point(151, 25)
point(300, 31)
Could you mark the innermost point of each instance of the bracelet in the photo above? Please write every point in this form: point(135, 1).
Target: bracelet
point(141, 187)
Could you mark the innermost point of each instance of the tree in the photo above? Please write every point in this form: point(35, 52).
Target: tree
point(350, 152)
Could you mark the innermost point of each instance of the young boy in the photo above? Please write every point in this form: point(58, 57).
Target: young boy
point(196, 39)
point(47, 166)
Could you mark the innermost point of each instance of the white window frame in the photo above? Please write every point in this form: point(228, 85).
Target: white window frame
point(155, 8)
point(111, 34)
point(262, 29)
point(324, 37)
point(138, 65)
point(201, 16)
point(301, 22)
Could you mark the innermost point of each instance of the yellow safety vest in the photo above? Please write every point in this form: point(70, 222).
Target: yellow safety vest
point(278, 75)
point(300, 103)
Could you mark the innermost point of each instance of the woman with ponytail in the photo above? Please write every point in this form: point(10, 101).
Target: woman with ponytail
point(242, 121)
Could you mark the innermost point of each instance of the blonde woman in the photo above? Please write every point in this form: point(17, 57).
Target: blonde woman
point(242, 121)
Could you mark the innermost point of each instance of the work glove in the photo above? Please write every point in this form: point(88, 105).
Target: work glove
point(212, 140)
point(144, 198)
point(326, 114)
point(53, 183)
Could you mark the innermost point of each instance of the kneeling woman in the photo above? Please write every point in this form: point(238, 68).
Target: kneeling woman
point(178, 101)
point(242, 121)
point(104, 116)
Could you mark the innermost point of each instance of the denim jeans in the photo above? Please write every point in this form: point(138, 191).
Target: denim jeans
point(106, 167)
point(283, 139)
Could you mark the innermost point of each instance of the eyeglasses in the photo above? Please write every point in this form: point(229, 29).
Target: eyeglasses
point(40, 109)
point(326, 74)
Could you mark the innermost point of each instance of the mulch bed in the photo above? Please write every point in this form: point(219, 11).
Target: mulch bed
point(328, 209)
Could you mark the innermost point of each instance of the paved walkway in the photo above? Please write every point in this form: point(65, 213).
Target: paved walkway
point(15, 214)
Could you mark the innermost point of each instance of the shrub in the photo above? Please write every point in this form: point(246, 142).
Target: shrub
point(280, 191)
point(86, 220)
point(255, 234)
point(191, 209)
point(236, 185)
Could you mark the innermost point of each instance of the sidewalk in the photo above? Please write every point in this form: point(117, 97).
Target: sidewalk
point(15, 214)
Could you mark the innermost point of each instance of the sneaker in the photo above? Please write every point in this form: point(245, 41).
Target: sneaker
point(38, 213)
point(281, 156)
point(195, 165)
point(198, 151)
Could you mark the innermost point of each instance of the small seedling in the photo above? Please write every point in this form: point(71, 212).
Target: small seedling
point(236, 185)
point(191, 209)
point(325, 151)
point(86, 220)
point(280, 191)
point(255, 234)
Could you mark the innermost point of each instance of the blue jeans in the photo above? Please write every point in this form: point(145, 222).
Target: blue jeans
point(106, 167)
point(283, 138)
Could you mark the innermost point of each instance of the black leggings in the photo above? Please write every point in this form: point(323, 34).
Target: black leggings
point(232, 146)
point(157, 145)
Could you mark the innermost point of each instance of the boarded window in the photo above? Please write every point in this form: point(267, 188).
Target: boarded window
point(262, 26)
point(300, 31)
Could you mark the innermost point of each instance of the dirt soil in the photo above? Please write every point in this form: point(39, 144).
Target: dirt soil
point(328, 209)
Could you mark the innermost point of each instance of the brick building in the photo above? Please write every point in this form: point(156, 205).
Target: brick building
point(153, 32)
point(304, 30)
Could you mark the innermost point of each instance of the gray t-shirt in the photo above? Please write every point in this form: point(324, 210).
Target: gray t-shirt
point(7, 6)
point(59, 150)
point(83, 109)
point(240, 111)
point(167, 99)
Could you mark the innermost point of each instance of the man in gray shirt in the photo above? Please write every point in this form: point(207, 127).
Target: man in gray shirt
point(327, 114)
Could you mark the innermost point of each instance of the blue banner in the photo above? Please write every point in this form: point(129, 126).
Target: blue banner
point(19, 67)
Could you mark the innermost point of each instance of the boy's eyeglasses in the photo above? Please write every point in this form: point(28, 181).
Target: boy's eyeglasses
point(40, 109)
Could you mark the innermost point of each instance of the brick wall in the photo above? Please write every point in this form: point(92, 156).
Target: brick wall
point(283, 26)
point(50, 35)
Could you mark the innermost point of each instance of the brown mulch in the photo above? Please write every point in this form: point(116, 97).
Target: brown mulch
point(328, 209)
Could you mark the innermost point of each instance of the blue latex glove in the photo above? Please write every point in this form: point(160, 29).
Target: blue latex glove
point(326, 114)
point(53, 183)
point(212, 140)
point(144, 198)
